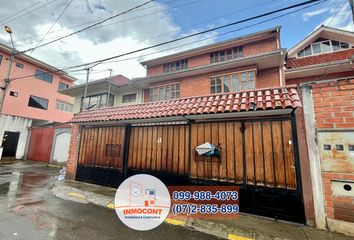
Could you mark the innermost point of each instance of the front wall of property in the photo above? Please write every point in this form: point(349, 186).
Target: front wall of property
point(334, 110)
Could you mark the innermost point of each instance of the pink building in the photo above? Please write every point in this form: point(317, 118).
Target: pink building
point(31, 99)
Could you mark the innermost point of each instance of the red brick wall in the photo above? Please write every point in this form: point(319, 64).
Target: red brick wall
point(249, 49)
point(297, 81)
point(73, 152)
point(329, 198)
point(200, 84)
point(334, 104)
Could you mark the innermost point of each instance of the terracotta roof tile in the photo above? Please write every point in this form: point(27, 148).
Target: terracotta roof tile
point(257, 100)
point(318, 59)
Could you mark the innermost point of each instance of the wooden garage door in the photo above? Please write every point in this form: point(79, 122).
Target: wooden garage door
point(102, 147)
point(163, 149)
point(258, 153)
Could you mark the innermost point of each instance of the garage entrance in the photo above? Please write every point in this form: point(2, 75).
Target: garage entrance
point(100, 158)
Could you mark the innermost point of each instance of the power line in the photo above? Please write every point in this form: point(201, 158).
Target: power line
point(200, 33)
point(18, 12)
point(29, 12)
point(218, 35)
point(85, 23)
point(88, 27)
point(55, 22)
point(195, 34)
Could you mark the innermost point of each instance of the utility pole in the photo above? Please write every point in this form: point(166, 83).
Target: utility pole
point(8, 71)
point(86, 86)
point(351, 3)
point(109, 86)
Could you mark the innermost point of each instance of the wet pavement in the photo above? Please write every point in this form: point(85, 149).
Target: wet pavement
point(29, 210)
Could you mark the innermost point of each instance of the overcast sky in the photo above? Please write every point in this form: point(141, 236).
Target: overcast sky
point(156, 22)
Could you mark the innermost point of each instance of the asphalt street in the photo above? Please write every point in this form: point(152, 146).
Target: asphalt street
point(29, 210)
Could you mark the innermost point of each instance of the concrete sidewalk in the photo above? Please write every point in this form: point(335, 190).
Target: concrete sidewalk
point(246, 227)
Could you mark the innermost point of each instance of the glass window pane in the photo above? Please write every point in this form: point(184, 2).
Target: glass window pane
point(335, 45)
point(244, 86)
point(316, 48)
point(218, 89)
point(301, 53)
point(212, 89)
point(243, 77)
point(308, 51)
point(168, 93)
point(222, 56)
point(226, 84)
point(251, 85)
point(103, 101)
point(235, 83)
point(229, 54)
point(251, 75)
point(326, 46)
point(162, 94)
point(344, 45)
point(218, 81)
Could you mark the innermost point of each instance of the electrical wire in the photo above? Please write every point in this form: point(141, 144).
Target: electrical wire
point(188, 36)
point(51, 27)
point(46, 4)
point(18, 12)
point(88, 27)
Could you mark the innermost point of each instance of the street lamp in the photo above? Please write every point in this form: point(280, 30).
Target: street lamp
point(9, 65)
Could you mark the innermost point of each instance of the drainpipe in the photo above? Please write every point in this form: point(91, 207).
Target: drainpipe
point(86, 86)
point(109, 86)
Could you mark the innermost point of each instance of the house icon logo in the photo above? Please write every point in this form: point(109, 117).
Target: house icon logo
point(142, 202)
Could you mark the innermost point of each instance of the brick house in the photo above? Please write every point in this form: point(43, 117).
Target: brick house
point(32, 99)
point(231, 94)
point(321, 64)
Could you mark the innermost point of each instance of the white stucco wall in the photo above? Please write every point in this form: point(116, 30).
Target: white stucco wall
point(16, 124)
point(61, 145)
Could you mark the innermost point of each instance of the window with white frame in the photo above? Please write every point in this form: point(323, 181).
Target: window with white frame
point(225, 55)
point(165, 92)
point(233, 82)
point(175, 66)
point(62, 106)
point(322, 46)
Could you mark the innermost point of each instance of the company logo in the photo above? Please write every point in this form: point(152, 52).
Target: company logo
point(142, 202)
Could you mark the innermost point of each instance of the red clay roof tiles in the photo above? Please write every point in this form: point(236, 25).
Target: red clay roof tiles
point(318, 59)
point(256, 100)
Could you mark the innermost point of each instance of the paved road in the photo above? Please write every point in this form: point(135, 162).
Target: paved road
point(28, 210)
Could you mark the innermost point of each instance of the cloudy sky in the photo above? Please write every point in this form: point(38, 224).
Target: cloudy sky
point(36, 22)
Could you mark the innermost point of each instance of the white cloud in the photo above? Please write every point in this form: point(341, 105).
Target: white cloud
point(307, 15)
point(340, 17)
point(125, 33)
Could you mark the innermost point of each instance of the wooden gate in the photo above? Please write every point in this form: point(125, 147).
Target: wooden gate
point(101, 155)
point(160, 150)
point(257, 155)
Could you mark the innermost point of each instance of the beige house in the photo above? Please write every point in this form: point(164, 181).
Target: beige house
point(104, 93)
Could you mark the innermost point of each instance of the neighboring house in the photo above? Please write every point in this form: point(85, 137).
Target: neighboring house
point(322, 65)
point(231, 94)
point(119, 89)
point(32, 99)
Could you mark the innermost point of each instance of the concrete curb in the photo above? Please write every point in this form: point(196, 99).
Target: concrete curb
point(66, 192)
